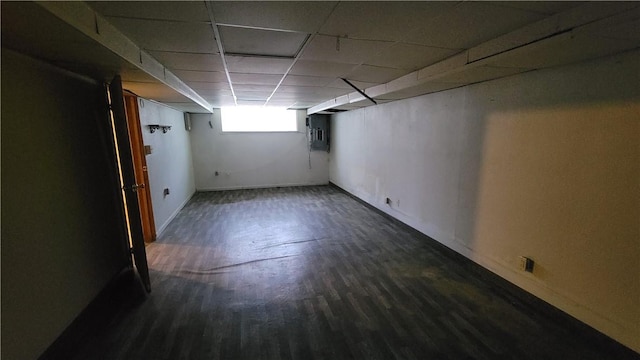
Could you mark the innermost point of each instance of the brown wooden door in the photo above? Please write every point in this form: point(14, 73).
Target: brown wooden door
point(140, 167)
point(130, 187)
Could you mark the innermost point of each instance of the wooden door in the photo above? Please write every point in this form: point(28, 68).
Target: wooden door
point(123, 145)
point(140, 167)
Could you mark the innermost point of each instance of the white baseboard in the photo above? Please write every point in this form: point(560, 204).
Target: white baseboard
point(261, 186)
point(173, 215)
point(549, 295)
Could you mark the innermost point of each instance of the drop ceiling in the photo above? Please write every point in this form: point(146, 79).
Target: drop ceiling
point(195, 55)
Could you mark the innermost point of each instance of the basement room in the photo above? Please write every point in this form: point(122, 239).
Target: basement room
point(320, 180)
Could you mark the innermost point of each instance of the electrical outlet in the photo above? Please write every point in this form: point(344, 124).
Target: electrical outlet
point(166, 192)
point(526, 264)
point(388, 201)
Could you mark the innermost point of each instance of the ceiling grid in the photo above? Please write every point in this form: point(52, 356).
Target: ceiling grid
point(295, 53)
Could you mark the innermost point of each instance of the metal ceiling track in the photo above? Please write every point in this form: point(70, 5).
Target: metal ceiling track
point(295, 59)
point(216, 32)
point(306, 43)
point(84, 19)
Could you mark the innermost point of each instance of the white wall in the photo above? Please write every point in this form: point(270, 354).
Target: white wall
point(170, 164)
point(544, 164)
point(253, 160)
point(62, 237)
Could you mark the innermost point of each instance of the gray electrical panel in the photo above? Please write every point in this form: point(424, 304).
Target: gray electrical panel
point(318, 127)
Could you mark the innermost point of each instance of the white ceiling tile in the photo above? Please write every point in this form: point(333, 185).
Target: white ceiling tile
point(168, 35)
point(302, 80)
point(257, 79)
point(236, 40)
point(191, 11)
point(373, 20)
point(469, 24)
point(257, 65)
point(312, 90)
point(282, 103)
point(321, 68)
point(249, 102)
point(248, 87)
point(285, 97)
point(302, 16)
point(343, 50)
point(201, 76)
point(189, 61)
point(374, 74)
point(625, 31)
point(542, 7)
point(302, 97)
point(199, 85)
point(298, 89)
point(253, 95)
point(410, 57)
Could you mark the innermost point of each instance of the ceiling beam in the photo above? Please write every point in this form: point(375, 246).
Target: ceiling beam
point(84, 19)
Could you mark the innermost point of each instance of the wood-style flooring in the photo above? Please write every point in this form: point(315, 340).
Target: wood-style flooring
point(312, 273)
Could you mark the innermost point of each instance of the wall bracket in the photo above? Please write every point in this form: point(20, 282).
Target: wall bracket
point(164, 128)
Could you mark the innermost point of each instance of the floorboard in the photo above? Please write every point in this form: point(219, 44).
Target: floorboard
point(312, 273)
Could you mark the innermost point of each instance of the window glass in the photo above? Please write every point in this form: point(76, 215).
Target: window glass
point(258, 119)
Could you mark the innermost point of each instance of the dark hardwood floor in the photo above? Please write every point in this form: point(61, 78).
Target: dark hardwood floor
point(311, 273)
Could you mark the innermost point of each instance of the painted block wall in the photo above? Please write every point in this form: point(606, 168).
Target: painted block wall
point(544, 164)
point(170, 163)
point(253, 160)
point(61, 235)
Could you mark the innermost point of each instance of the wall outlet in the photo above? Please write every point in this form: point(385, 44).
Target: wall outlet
point(388, 201)
point(526, 264)
point(166, 191)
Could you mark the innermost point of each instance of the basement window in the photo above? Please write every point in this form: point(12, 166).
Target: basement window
point(258, 119)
